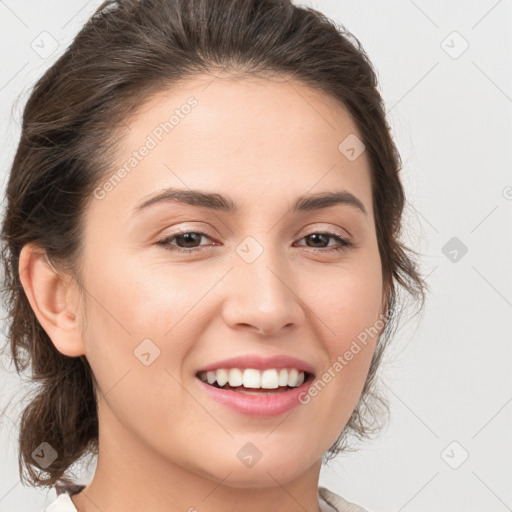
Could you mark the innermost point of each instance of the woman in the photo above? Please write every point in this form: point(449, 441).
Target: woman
point(202, 257)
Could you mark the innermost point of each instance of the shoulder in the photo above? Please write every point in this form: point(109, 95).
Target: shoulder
point(61, 498)
point(62, 503)
point(331, 502)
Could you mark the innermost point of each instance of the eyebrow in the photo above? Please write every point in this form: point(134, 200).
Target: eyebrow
point(223, 203)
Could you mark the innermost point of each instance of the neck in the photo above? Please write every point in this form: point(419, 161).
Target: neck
point(132, 476)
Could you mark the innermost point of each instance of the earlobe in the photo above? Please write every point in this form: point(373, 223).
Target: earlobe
point(47, 291)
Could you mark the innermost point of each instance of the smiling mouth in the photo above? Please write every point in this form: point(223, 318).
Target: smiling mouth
point(254, 390)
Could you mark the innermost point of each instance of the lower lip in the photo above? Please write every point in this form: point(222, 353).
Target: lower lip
point(264, 405)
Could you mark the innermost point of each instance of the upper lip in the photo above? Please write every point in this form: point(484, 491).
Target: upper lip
point(260, 363)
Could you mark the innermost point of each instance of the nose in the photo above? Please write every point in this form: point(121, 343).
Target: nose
point(262, 296)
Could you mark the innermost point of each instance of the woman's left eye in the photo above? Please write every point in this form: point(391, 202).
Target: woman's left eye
point(192, 237)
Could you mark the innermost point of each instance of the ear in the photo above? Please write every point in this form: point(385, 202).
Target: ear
point(53, 300)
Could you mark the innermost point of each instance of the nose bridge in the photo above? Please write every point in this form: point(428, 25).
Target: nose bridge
point(262, 294)
point(261, 265)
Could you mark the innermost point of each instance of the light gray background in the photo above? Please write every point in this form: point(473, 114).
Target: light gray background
point(448, 373)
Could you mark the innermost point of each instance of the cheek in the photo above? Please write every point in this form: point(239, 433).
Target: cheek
point(137, 300)
point(347, 299)
point(133, 351)
point(142, 322)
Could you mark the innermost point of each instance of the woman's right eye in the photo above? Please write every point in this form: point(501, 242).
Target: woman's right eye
point(189, 237)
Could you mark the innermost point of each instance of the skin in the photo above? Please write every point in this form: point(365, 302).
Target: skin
point(164, 444)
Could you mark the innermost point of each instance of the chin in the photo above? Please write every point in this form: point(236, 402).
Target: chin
point(240, 479)
point(266, 472)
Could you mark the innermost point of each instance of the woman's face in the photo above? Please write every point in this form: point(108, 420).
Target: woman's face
point(265, 281)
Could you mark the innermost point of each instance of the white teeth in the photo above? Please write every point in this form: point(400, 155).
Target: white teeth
point(252, 378)
point(222, 377)
point(235, 377)
point(292, 377)
point(269, 379)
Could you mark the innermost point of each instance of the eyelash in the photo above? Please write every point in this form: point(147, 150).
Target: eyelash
point(165, 242)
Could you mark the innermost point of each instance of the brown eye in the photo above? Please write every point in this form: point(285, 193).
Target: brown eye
point(319, 241)
point(319, 238)
point(187, 240)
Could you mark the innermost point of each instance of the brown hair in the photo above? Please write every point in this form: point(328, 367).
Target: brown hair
point(128, 50)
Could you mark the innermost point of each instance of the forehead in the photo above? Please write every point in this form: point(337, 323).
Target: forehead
point(252, 138)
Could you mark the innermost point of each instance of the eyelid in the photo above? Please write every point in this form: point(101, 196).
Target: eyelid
point(180, 230)
point(343, 244)
point(325, 228)
point(308, 230)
